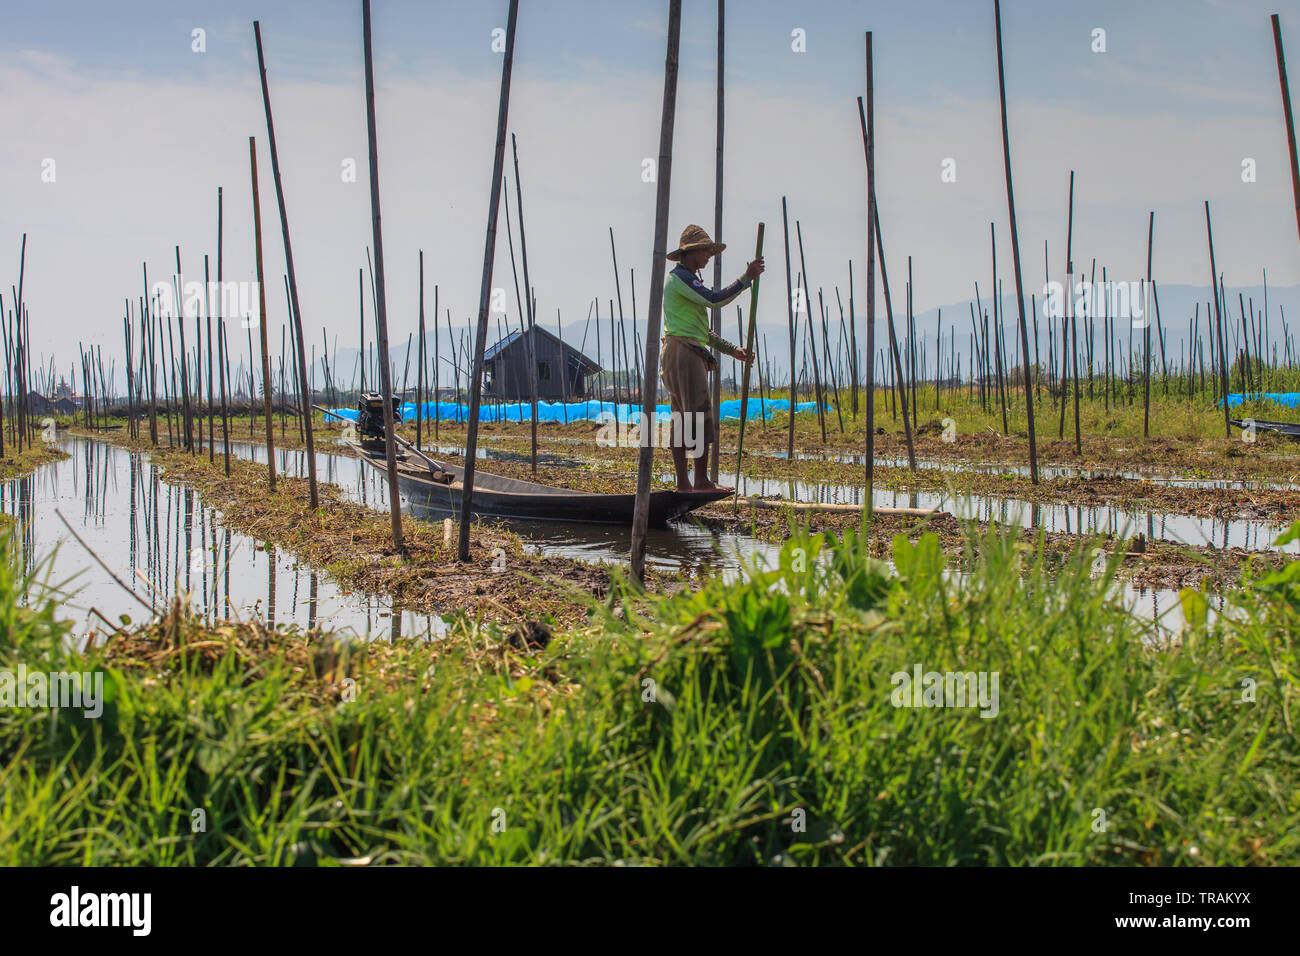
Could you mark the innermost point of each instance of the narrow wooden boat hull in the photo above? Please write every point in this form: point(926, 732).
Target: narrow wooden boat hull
point(499, 497)
point(1290, 429)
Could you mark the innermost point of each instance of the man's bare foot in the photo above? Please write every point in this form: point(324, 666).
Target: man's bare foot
point(707, 485)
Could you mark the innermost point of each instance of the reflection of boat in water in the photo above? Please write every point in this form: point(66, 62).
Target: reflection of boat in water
point(499, 497)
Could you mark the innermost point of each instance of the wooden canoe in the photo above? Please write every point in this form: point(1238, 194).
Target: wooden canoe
point(1290, 429)
point(499, 497)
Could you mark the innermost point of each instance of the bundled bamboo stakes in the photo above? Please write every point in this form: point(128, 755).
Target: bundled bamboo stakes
point(654, 315)
point(485, 287)
point(296, 317)
point(749, 348)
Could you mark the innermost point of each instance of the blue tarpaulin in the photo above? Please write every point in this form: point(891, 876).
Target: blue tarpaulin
point(1285, 399)
point(580, 411)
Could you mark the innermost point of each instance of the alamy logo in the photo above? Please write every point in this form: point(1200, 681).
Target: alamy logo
point(235, 297)
point(946, 689)
point(684, 429)
point(1123, 300)
point(83, 690)
point(102, 909)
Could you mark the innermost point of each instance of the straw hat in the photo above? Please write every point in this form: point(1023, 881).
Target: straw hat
point(693, 237)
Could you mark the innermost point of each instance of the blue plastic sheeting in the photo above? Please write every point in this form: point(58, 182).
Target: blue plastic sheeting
point(581, 411)
point(1285, 399)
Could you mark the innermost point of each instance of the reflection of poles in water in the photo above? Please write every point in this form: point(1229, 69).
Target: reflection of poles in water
point(311, 604)
point(133, 467)
point(270, 585)
point(189, 536)
point(155, 544)
point(27, 515)
point(226, 536)
point(212, 526)
point(203, 549)
point(167, 579)
point(224, 348)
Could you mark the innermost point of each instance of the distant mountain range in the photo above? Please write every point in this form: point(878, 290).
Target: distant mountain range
point(1178, 305)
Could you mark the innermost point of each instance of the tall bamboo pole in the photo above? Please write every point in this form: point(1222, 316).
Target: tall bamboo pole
point(744, 375)
point(207, 312)
point(223, 343)
point(381, 308)
point(187, 417)
point(1065, 312)
point(532, 318)
point(1146, 329)
point(867, 117)
point(716, 316)
point(812, 340)
point(147, 319)
point(223, 360)
point(1218, 321)
point(18, 316)
point(893, 344)
point(997, 325)
point(419, 360)
point(293, 276)
point(261, 318)
point(654, 316)
point(790, 320)
point(1015, 258)
point(485, 287)
point(1286, 110)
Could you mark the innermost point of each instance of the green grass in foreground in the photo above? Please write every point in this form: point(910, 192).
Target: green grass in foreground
point(772, 706)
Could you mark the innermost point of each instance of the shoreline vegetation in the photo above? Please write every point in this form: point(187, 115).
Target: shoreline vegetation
point(751, 722)
point(28, 460)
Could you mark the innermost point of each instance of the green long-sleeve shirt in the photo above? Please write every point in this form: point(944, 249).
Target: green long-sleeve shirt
point(687, 302)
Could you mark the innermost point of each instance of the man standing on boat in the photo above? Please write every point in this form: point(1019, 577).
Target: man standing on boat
point(687, 359)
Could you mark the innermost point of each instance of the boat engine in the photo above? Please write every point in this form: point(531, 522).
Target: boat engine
point(370, 416)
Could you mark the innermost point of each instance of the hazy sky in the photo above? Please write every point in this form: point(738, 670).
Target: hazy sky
point(142, 131)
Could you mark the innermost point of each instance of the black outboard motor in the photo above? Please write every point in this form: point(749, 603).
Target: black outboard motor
point(370, 417)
